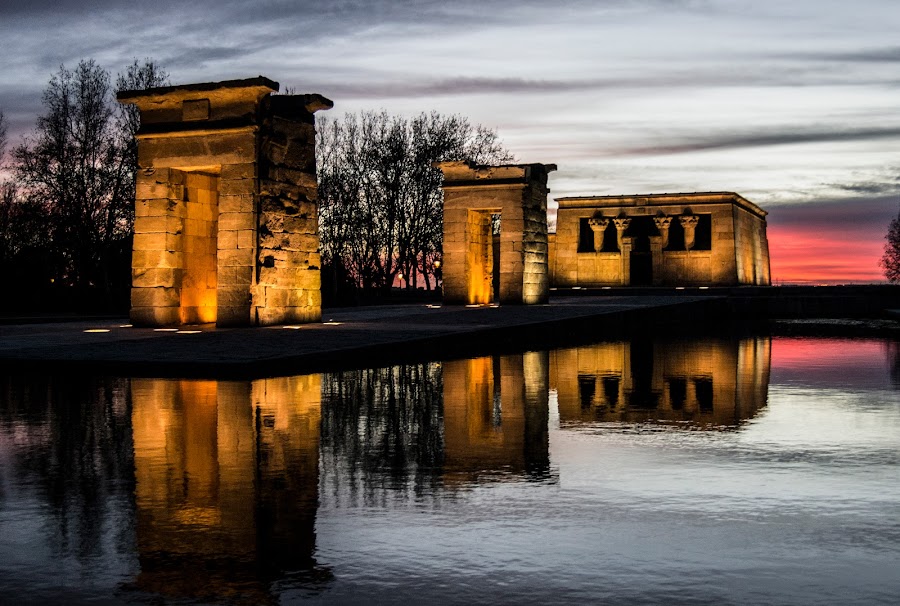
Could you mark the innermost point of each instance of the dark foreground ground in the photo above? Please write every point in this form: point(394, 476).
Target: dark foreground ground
point(375, 336)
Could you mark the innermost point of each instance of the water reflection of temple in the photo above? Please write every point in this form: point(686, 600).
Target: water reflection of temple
point(227, 484)
point(710, 382)
point(495, 417)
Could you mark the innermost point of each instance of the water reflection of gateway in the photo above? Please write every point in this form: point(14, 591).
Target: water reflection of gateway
point(713, 382)
point(495, 417)
point(226, 491)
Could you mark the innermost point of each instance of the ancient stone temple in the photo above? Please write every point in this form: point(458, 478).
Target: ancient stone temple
point(697, 239)
point(225, 211)
point(483, 264)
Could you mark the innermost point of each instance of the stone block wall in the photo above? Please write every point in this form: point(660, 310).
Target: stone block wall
point(752, 245)
point(288, 287)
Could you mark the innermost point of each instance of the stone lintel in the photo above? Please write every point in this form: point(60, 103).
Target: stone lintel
point(668, 199)
point(468, 174)
point(218, 106)
point(191, 90)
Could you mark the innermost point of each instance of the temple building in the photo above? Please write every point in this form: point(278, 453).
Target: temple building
point(695, 239)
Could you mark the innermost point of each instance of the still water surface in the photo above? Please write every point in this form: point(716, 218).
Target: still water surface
point(754, 471)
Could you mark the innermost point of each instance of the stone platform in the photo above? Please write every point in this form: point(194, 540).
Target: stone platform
point(347, 338)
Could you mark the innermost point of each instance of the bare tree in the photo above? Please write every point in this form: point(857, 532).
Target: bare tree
point(137, 76)
point(891, 259)
point(2, 138)
point(380, 198)
point(78, 167)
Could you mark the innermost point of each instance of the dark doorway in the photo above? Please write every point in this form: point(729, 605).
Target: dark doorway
point(641, 265)
point(641, 269)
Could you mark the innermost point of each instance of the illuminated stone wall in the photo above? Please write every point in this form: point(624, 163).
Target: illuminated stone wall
point(703, 239)
point(251, 158)
point(706, 382)
point(518, 193)
point(751, 248)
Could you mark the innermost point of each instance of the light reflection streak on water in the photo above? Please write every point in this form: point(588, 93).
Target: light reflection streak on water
point(655, 471)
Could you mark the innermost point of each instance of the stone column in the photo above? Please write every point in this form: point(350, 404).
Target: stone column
point(598, 226)
point(662, 224)
point(689, 223)
point(656, 246)
point(625, 244)
point(622, 224)
point(288, 285)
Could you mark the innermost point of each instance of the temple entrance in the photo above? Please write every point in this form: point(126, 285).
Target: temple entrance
point(482, 258)
point(641, 258)
point(641, 268)
point(200, 244)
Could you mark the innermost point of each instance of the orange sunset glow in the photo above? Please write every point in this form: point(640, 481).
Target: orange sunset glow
point(829, 242)
point(825, 255)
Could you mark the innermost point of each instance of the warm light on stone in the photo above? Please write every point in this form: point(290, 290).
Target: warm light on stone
point(478, 267)
point(226, 217)
point(718, 239)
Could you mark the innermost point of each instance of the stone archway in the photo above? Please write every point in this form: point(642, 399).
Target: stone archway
point(226, 216)
point(472, 195)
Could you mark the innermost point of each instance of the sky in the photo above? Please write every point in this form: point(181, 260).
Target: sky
point(795, 105)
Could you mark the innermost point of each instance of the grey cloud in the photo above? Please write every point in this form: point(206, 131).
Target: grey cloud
point(390, 86)
point(197, 57)
point(889, 54)
point(866, 214)
point(759, 139)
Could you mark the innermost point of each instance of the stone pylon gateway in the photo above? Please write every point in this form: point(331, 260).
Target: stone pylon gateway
point(478, 266)
point(226, 219)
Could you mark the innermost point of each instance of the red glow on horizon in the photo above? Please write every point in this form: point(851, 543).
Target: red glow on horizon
point(824, 254)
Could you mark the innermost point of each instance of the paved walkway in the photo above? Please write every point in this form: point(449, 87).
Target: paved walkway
point(350, 337)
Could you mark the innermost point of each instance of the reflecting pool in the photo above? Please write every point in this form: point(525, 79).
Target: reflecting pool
point(758, 470)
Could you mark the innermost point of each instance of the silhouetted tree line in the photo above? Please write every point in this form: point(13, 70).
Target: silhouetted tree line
point(380, 199)
point(891, 259)
point(67, 213)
